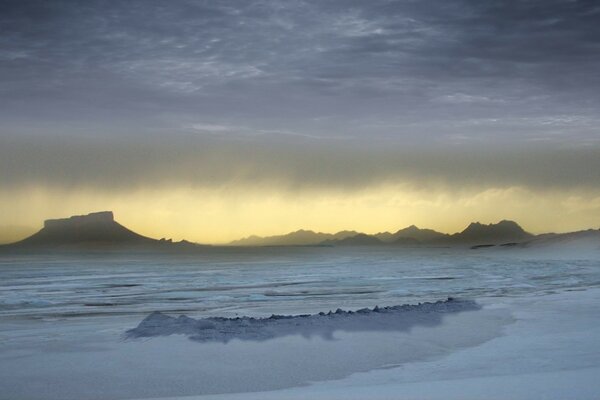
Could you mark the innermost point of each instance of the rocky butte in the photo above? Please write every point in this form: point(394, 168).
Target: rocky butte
point(91, 229)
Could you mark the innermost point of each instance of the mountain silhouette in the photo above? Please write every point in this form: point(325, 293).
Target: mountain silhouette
point(94, 228)
point(360, 239)
point(100, 230)
point(476, 233)
point(411, 232)
point(298, 238)
point(97, 229)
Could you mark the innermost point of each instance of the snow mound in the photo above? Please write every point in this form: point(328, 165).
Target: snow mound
point(218, 329)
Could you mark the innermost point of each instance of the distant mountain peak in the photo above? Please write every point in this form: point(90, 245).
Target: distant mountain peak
point(411, 228)
point(94, 231)
point(360, 239)
point(94, 228)
point(502, 225)
point(414, 233)
point(303, 231)
point(508, 222)
point(300, 237)
point(505, 230)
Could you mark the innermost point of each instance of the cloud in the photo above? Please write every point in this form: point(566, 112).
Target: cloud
point(205, 93)
point(462, 98)
point(286, 163)
point(213, 128)
point(192, 45)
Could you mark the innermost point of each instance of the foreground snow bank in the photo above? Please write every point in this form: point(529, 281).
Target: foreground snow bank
point(393, 318)
point(552, 351)
point(88, 360)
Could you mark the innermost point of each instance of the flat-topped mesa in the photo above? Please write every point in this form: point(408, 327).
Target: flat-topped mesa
point(78, 220)
point(91, 229)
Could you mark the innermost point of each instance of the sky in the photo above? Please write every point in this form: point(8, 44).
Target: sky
point(214, 120)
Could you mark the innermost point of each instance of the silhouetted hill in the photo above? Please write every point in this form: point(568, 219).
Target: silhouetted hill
point(411, 232)
point(97, 229)
point(360, 239)
point(476, 234)
point(297, 238)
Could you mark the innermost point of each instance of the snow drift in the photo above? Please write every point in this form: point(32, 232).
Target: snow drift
point(219, 329)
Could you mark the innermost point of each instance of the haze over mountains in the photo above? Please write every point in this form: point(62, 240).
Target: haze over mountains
point(411, 232)
point(298, 238)
point(101, 230)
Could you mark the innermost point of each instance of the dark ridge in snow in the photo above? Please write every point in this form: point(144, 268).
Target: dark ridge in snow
point(218, 329)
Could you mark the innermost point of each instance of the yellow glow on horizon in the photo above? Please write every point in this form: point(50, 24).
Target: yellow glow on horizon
point(222, 215)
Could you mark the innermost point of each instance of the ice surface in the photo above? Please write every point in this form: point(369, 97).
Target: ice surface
point(261, 282)
point(62, 322)
point(75, 363)
point(551, 352)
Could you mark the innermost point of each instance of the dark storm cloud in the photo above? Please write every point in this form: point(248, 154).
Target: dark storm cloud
point(494, 79)
point(291, 164)
point(405, 45)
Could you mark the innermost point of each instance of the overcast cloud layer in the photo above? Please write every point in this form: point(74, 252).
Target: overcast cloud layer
point(320, 94)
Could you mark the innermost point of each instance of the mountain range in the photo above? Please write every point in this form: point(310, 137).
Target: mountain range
point(298, 238)
point(475, 234)
point(100, 230)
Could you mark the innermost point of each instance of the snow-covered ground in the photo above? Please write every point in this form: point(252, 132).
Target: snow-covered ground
point(550, 351)
point(63, 324)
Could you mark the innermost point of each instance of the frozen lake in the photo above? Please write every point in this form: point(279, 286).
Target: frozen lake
point(260, 282)
point(63, 318)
